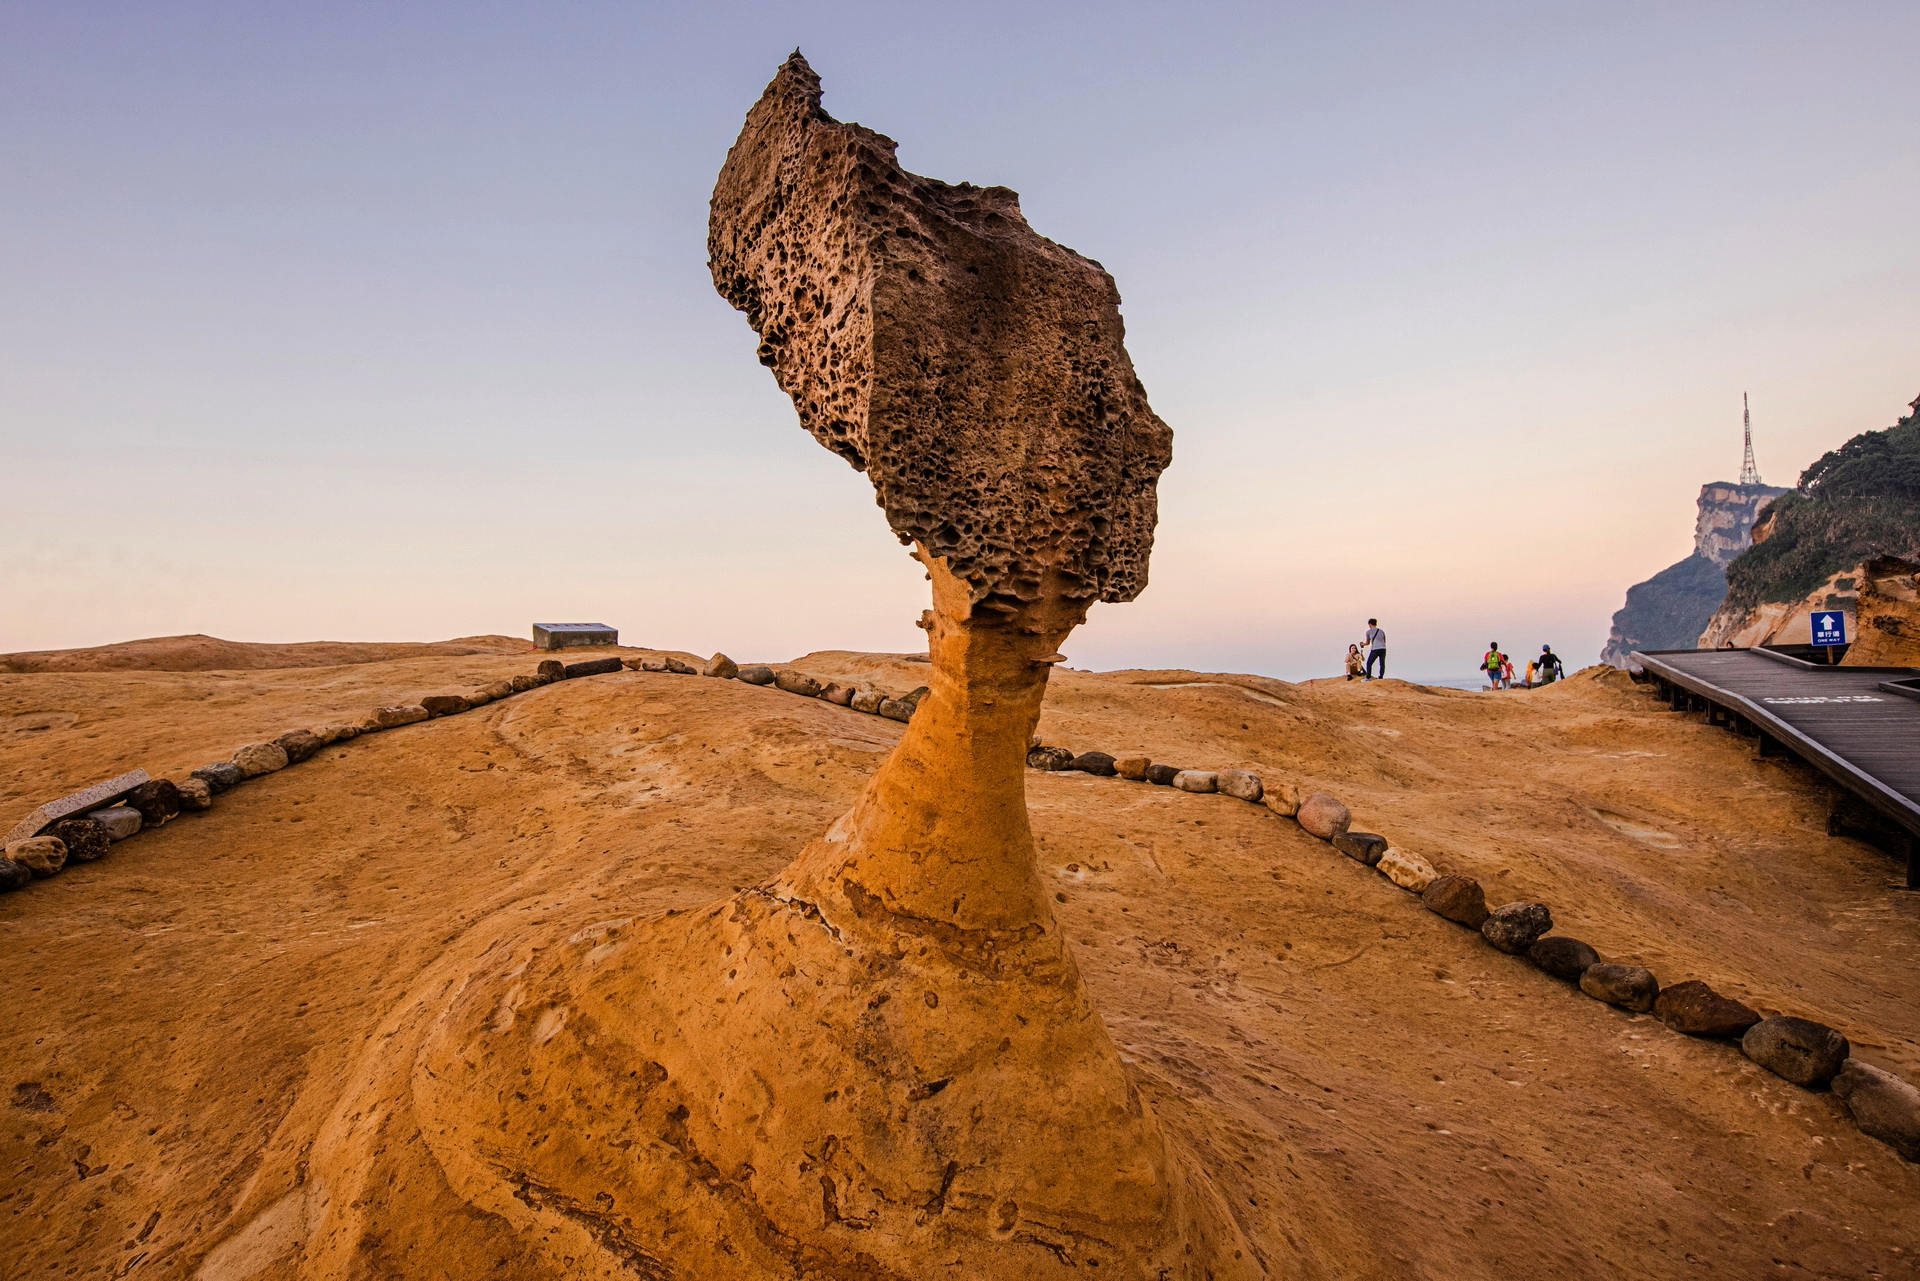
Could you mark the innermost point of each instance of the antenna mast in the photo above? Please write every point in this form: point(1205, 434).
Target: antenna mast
point(1749, 474)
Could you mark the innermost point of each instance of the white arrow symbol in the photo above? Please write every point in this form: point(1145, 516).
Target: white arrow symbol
point(1826, 622)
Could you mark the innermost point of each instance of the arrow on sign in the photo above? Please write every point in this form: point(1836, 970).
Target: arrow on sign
point(1826, 622)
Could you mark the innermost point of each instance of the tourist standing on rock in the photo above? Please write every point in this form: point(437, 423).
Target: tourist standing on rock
point(1490, 664)
point(1376, 642)
point(1356, 665)
point(1549, 665)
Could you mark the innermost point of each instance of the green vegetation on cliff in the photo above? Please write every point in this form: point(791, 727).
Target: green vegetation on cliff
point(1857, 501)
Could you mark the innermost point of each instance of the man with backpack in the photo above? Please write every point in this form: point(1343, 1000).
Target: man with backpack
point(1548, 665)
point(1376, 648)
point(1492, 663)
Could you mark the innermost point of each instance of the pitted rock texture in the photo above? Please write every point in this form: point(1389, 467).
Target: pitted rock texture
point(973, 368)
point(85, 839)
point(1517, 926)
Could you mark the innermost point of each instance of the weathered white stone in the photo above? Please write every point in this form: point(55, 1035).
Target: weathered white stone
point(1239, 784)
point(1196, 780)
point(256, 759)
point(1406, 869)
point(1282, 798)
point(41, 855)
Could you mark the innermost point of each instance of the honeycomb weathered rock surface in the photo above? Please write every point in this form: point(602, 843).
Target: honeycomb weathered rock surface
point(973, 368)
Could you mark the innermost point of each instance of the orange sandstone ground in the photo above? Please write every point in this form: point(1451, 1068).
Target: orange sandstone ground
point(1380, 1093)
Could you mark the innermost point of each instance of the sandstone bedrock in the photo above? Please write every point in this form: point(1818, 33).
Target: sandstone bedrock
point(158, 931)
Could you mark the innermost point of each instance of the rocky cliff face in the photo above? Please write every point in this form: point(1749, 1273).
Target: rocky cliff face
point(1880, 597)
point(1784, 622)
point(1669, 610)
point(1724, 527)
point(1887, 627)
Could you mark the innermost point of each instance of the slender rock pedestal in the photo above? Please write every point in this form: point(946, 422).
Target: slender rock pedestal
point(883, 1064)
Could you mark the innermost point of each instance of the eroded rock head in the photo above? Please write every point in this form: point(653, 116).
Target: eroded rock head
point(973, 368)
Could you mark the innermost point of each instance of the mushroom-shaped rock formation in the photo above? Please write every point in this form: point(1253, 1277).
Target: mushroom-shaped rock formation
point(883, 1063)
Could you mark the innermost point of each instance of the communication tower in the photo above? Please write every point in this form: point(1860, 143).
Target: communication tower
point(1749, 474)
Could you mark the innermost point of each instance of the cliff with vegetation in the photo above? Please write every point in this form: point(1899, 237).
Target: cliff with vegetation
point(1855, 504)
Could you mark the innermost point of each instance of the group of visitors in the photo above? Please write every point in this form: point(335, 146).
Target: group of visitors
point(1544, 670)
point(1376, 652)
point(1371, 652)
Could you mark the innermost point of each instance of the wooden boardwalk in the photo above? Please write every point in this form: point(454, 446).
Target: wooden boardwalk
point(1860, 726)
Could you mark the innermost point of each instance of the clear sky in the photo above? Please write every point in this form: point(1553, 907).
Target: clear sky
point(392, 321)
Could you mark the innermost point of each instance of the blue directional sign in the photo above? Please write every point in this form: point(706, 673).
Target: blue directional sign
point(1830, 628)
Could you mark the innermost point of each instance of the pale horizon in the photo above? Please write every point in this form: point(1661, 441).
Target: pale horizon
point(396, 325)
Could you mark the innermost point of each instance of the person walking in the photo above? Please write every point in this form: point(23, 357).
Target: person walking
point(1506, 672)
point(1490, 664)
point(1549, 665)
point(1376, 641)
point(1356, 665)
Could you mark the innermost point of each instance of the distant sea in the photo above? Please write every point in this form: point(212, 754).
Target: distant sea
point(1443, 682)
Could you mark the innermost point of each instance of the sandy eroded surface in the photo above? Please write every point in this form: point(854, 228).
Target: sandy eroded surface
point(1382, 1094)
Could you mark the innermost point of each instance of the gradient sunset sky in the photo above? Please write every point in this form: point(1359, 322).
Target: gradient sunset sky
point(392, 321)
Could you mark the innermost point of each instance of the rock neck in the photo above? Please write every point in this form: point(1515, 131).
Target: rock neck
point(940, 836)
